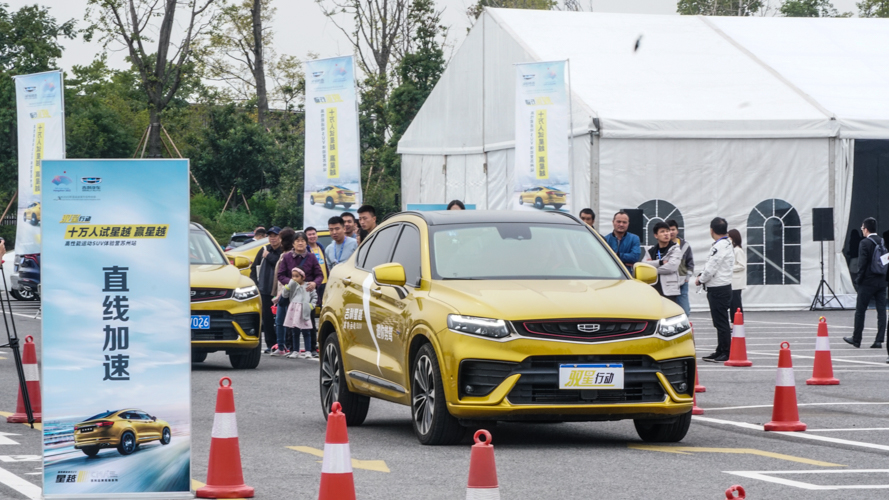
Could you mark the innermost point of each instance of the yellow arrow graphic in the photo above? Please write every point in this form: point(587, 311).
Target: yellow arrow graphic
point(688, 450)
point(374, 465)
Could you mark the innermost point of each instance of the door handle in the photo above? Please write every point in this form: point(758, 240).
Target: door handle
point(376, 292)
point(347, 281)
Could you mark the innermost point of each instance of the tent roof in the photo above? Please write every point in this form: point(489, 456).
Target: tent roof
point(692, 76)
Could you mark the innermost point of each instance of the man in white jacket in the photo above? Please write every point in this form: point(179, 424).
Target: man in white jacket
point(717, 279)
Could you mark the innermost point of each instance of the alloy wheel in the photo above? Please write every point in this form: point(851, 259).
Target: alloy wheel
point(424, 394)
point(330, 375)
point(129, 443)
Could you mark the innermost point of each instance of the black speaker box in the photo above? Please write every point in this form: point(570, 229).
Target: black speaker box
point(822, 224)
point(637, 225)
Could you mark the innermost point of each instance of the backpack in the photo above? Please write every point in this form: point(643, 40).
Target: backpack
point(876, 264)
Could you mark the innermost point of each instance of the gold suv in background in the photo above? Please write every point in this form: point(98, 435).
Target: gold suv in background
point(121, 429)
point(469, 316)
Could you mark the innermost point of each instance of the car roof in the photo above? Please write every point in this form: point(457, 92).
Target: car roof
point(444, 217)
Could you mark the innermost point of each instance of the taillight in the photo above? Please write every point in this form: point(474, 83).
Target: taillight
point(339, 192)
point(550, 193)
point(104, 424)
point(31, 257)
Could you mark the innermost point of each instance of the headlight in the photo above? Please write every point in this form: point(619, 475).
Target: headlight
point(485, 327)
point(673, 326)
point(246, 293)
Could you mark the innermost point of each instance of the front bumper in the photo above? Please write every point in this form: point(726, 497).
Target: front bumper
point(233, 325)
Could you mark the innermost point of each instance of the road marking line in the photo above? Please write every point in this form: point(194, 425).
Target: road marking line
point(812, 325)
point(687, 450)
point(765, 476)
point(37, 425)
point(852, 429)
point(835, 359)
point(20, 314)
point(801, 435)
point(21, 458)
point(195, 484)
point(374, 465)
point(800, 404)
point(27, 488)
point(862, 369)
point(6, 440)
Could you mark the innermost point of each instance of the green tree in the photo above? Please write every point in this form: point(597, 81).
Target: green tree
point(809, 8)
point(873, 8)
point(718, 7)
point(29, 43)
point(476, 9)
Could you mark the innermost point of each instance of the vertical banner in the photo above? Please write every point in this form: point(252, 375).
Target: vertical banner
point(542, 165)
point(116, 329)
point(333, 166)
point(41, 131)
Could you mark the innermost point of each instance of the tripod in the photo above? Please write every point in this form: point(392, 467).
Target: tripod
point(14, 345)
point(820, 292)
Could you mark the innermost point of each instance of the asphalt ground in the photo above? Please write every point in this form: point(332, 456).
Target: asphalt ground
point(843, 455)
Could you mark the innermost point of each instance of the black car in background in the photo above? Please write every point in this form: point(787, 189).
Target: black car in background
point(25, 278)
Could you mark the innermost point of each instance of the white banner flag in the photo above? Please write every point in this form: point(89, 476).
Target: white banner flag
point(41, 129)
point(542, 173)
point(333, 165)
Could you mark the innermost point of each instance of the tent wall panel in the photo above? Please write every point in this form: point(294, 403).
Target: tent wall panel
point(476, 187)
point(432, 179)
point(456, 178)
point(500, 164)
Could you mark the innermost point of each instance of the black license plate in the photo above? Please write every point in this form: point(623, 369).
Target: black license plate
point(87, 429)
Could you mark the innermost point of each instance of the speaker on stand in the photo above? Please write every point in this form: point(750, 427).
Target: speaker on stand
point(637, 223)
point(822, 230)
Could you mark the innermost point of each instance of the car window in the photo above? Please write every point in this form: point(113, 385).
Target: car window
point(501, 251)
point(381, 246)
point(407, 253)
point(100, 415)
point(202, 250)
point(144, 416)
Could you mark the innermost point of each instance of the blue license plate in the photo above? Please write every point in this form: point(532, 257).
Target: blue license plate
point(200, 322)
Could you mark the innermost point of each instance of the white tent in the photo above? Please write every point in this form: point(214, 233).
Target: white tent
point(751, 119)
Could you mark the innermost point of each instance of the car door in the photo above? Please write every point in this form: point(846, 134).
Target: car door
point(392, 305)
point(134, 422)
point(360, 346)
point(150, 429)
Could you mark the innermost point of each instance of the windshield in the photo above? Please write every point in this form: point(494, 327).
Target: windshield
point(520, 251)
point(203, 250)
point(101, 415)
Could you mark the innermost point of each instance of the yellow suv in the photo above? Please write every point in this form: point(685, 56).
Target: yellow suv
point(332, 196)
point(469, 316)
point(32, 214)
point(121, 429)
point(540, 196)
point(225, 305)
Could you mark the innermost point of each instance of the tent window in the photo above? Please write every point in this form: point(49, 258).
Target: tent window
point(654, 211)
point(773, 244)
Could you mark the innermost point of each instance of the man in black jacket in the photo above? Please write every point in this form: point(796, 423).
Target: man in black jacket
point(870, 286)
point(266, 260)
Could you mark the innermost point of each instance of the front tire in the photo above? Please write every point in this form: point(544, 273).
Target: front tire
point(521, 200)
point(166, 436)
point(247, 361)
point(90, 451)
point(33, 219)
point(329, 203)
point(311, 200)
point(651, 431)
point(538, 204)
point(334, 388)
point(23, 295)
point(432, 422)
point(198, 357)
point(127, 443)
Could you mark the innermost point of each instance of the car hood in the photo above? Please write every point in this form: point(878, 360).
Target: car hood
point(551, 299)
point(216, 276)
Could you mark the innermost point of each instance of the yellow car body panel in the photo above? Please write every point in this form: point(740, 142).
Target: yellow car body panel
point(89, 434)
point(32, 214)
point(421, 315)
point(331, 196)
point(547, 196)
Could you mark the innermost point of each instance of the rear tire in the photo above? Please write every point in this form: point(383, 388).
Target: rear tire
point(521, 200)
point(198, 357)
point(329, 203)
point(334, 388)
point(23, 295)
point(127, 443)
point(90, 451)
point(653, 432)
point(247, 361)
point(538, 204)
point(34, 219)
point(433, 423)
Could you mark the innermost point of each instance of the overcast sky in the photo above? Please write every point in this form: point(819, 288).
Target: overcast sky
point(300, 27)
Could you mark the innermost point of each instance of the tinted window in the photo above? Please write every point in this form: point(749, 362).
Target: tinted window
point(381, 246)
point(407, 253)
point(203, 250)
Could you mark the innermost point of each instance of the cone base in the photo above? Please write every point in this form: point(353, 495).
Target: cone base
point(822, 381)
point(738, 363)
point(697, 411)
point(337, 486)
point(700, 388)
point(22, 418)
point(785, 426)
point(242, 491)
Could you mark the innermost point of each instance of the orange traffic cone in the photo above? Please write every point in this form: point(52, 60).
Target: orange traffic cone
point(224, 476)
point(822, 373)
point(32, 382)
point(336, 469)
point(785, 415)
point(730, 493)
point(698, 386)
point(695, 409)
point(738, 354)
point(482, 483)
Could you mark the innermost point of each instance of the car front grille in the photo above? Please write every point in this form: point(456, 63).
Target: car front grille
point(585, 330)
point(221, 327)
point(539, 383)
point(202, 294)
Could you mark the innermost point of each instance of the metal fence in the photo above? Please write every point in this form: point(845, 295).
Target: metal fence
point(10, 219)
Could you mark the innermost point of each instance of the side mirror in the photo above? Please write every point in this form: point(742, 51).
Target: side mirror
point(153, 418)
point(390, 274)
point(645, 273)
point(239, 261)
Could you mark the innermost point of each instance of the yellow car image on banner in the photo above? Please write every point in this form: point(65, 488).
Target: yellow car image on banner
point(331, 196)
point(541, 196)
point(470, 316)
point(124, 430)
point(32, 214)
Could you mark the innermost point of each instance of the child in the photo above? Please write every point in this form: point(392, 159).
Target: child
point(299, 313)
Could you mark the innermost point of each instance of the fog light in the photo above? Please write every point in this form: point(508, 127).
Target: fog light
point(683, 387)
point(469, 389)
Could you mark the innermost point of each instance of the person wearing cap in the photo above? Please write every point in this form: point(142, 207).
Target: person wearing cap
point(262, 271)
